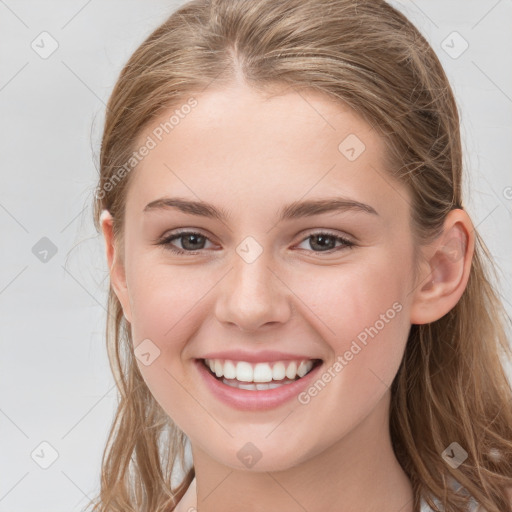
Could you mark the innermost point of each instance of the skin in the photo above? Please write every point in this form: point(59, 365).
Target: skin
point(251, 155)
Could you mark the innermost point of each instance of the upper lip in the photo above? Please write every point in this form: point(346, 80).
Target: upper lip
point(257, 357)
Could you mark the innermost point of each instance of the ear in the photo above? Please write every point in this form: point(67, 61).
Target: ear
point(445, 272)
point(116, 266)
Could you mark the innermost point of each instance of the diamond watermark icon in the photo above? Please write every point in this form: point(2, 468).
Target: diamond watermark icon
point(454, 249)
point(249, 249)
point(249, 455)
point(454, 45)
point(44, 455)
point(44, 45)
point(44, 249)
point(146, 352)
point(351, 147)
point(454, 455)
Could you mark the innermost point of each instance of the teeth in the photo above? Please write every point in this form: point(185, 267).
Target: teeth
point(229, 370)
point(250, 386)
point(259, 373)
point(303, 369)
point(291, 371)
point(278, 371)
point(262, 373)
point(218, 368)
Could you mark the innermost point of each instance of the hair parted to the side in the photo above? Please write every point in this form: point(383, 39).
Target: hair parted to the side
point(451, 385)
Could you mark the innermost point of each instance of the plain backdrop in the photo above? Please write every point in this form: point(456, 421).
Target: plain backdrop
point(55, 382)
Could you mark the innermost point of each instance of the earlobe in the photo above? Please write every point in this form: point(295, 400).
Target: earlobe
point(446, 270)
point(116, 267)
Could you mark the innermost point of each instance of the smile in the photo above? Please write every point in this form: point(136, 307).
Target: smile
point(257, 386)
point(259, 376)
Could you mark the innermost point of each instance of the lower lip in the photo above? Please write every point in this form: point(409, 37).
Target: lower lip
point(248, 400)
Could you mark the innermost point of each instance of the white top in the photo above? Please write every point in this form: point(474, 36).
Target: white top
point(472, 507)
point(424, 507)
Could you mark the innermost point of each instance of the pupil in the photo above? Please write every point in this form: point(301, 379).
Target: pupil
point(323, 238)
point(191, 236)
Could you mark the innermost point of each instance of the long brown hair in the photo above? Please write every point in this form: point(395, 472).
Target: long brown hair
point(451, 385)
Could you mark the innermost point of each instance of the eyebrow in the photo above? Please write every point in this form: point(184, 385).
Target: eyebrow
point(295, 210)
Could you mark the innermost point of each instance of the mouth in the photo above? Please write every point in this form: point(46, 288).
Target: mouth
point(261, 376)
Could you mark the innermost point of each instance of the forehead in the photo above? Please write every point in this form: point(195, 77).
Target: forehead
point(240, 148)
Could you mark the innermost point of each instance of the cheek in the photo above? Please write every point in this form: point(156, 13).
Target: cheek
point(344, 301)
point(361, 313)
point(163, 303)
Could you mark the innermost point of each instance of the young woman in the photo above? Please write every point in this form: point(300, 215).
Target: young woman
point(297, 292)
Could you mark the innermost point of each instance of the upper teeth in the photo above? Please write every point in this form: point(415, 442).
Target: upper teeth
point(259, 372)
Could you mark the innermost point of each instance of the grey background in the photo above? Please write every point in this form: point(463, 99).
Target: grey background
point(55, 382)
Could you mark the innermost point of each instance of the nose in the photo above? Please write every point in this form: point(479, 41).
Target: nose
point(253, 295)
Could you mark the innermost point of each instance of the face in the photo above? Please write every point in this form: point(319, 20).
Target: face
point(330, 285)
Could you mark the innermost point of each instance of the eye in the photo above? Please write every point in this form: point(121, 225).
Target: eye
point(192, 242)
point(326, 242)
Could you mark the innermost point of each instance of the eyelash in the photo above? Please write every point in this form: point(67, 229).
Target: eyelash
point(166, 242)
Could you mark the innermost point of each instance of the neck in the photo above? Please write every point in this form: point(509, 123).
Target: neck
point(359, 472)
